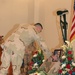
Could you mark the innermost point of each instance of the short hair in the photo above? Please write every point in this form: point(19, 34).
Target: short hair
point(38, 24)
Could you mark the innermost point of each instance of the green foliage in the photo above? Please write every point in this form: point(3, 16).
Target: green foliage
point(37, 60)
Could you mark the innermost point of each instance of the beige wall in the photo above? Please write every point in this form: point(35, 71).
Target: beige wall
point(13, 12)
point(29, 11)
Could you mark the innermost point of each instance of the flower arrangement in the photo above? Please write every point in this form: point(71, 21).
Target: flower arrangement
point(67, 66)
point(36, 62)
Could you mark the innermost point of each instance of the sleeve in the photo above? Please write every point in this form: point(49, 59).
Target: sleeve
point(43, 46)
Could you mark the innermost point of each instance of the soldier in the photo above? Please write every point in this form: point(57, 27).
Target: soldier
point(14, 47)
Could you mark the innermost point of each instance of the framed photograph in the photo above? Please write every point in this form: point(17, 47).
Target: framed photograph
point(57, 55)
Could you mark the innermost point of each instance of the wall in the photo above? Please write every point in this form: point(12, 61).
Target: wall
point(13, 12)
point(31, 11)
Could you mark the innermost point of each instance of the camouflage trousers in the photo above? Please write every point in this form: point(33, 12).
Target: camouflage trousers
point(12, 52)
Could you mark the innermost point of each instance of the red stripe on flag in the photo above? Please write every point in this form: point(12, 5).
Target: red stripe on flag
point(72, 36)
point(73, 18)
point(72, 26)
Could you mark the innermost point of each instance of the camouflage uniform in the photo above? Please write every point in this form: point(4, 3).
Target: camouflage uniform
point(14, 48)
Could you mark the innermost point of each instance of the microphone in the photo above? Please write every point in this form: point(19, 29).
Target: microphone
point(60, 12)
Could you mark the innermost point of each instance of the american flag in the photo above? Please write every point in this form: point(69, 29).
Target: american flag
point(72, 34)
